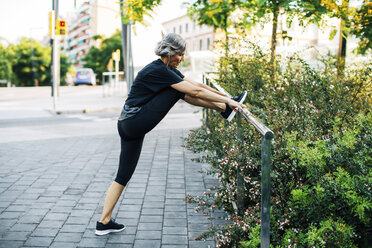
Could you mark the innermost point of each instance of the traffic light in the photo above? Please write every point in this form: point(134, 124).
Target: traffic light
point(61, 27)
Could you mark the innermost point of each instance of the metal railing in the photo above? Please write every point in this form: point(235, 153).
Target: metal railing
point(267, 136)
point(113, 84)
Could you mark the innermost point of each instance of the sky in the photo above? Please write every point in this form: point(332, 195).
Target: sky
point(29, 18)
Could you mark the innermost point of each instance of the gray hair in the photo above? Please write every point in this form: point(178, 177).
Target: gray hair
point(170, 44)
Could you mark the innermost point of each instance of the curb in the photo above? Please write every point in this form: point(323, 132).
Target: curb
point(82, 111)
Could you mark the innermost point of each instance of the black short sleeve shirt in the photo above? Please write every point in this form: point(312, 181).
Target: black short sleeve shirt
point(152, 79)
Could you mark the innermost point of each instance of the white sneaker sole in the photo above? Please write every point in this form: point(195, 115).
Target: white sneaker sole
point(105, 232)
point(231, 116)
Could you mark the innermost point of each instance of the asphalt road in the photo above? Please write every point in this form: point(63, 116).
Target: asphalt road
point(28, 113)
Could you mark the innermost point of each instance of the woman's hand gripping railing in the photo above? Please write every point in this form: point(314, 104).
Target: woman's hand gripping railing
point(267, 136)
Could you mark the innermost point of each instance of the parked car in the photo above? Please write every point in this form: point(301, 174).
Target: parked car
point(85, 76)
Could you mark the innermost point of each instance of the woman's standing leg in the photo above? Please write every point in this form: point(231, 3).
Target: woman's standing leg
point(132, 133)
point(129, 155)
point(112, 197)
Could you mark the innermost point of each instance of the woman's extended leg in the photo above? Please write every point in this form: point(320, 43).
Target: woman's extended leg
point(218, 106)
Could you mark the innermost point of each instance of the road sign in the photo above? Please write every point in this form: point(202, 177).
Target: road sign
point(116, 55)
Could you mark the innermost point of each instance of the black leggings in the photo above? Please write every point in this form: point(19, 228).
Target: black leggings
point(132, 130)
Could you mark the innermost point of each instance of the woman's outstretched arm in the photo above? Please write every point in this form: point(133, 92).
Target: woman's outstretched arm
point(205, 94)
point(203, 86)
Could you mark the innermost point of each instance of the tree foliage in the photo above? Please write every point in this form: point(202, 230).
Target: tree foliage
point(217, 14)
point(5, 66)
point(214, 13)
point(98, 58)
point(30, 63)
point(135, 10)
point(361, 27)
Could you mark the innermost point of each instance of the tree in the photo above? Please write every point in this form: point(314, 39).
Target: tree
point(98, 58)
point(362, 27)
point(132, 11)
point(65, 66)
point(135, 10)
point(261, 9)
point(214, 13)
point(5, 66)
point(30, 62)
point(356, 21)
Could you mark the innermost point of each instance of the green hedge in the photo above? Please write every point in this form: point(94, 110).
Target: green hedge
point(321, 177)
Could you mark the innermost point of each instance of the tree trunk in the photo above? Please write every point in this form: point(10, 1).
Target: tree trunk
point(226, 39)
point(341, 49)
point(273, 33)
point(342, 42)
point(273, 41)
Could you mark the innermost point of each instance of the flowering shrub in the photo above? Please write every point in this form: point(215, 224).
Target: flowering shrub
point(321, 173)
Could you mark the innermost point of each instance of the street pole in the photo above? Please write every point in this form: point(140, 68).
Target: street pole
point(127, 48)
point(116, 73)
point(124, 39)
point(55, 58)
point(33, 63)
point(129, 54)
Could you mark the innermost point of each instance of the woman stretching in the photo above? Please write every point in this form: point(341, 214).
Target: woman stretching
point(155, 90)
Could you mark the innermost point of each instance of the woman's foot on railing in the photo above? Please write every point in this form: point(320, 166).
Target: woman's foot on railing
point(230, 113)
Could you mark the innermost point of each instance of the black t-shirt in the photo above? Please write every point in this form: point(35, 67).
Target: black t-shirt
point(152, 79)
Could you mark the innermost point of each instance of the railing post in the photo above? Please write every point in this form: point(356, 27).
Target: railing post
point(240, 179)
point(265, 191)
point(206, 111)
point(267, 136)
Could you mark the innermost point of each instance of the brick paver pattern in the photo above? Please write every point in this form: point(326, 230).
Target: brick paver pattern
point(52, 193)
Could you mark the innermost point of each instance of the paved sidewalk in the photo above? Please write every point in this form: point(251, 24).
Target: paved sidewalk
point(52, 192)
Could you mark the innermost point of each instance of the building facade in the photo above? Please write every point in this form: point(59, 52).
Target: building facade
point(311, 40)
point(95, 17)
point(200, 41)
point(198, 38)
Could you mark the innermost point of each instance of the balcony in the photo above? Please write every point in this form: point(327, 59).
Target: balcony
point(82, 17)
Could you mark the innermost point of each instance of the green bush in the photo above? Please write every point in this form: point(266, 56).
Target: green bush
point(321, 171)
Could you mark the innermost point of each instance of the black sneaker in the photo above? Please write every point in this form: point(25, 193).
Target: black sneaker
point(112, 226)
point(230, 113)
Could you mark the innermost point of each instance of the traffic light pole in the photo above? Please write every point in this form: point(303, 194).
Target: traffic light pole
point(127, 48)
point(55, 57)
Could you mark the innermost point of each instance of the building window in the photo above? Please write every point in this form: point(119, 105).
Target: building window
point(200, 44)
point(208, 43)
point(180, 29)
point(187, 28)
point(174, 29)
